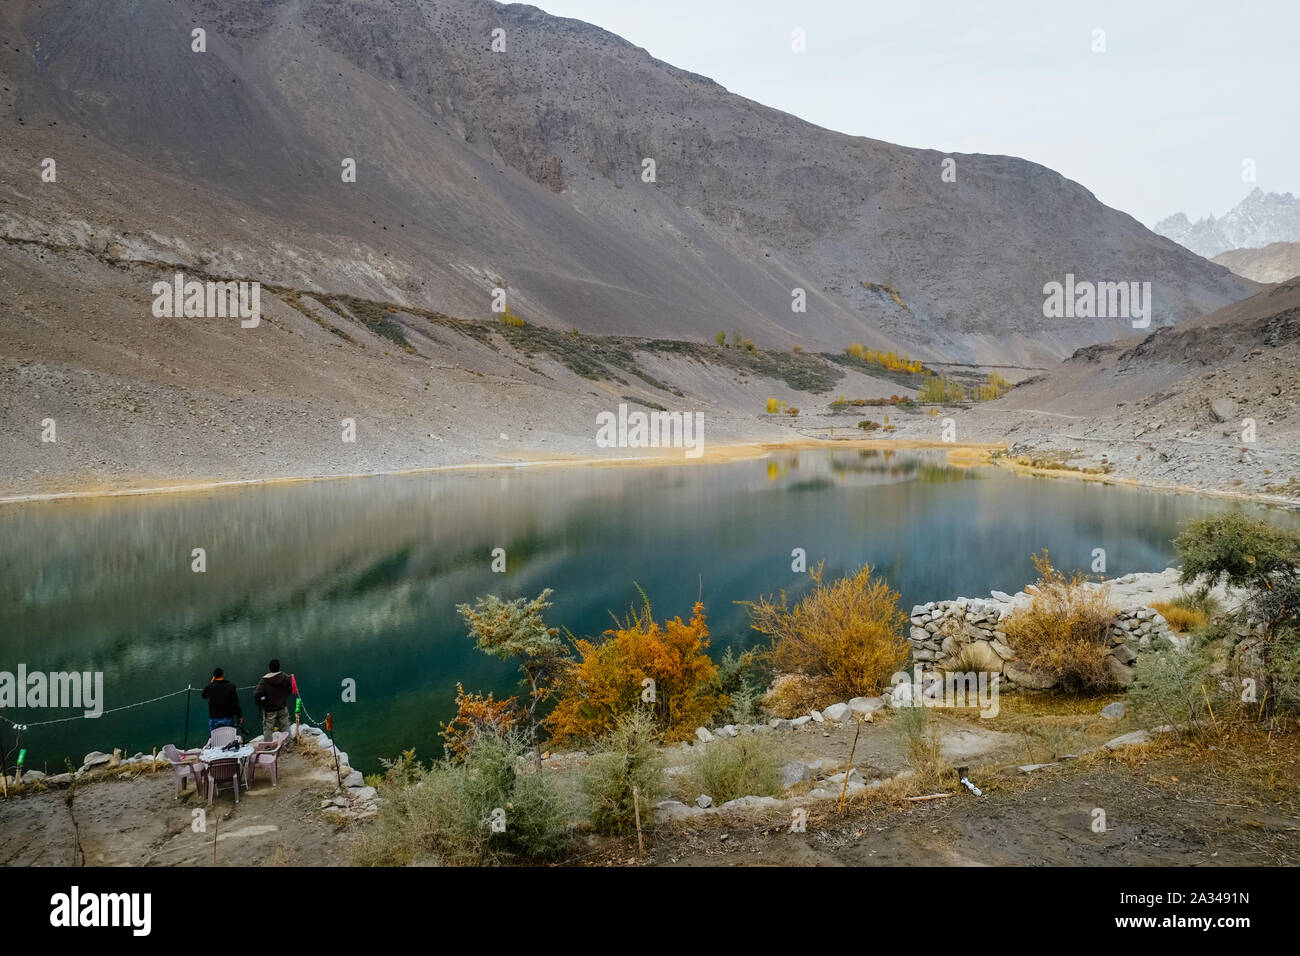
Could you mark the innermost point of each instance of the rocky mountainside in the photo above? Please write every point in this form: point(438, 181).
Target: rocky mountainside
point(525, 169)
point(1212, 404)
point(1258, 220)
point(1275, 262)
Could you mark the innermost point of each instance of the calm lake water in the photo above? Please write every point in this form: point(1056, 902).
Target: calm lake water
point(359, 578)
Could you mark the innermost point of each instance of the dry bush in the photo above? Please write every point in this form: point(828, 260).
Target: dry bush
point(846, 637)
point(791, 695)
point(1065, 630)
point(607, 683)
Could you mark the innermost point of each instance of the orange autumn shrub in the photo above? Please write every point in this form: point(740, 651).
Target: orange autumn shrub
point(609, 679)
point(475, 715)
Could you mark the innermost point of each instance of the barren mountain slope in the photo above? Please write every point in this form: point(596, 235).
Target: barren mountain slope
point(1213, 403)
point(1276, 262)
point(523, 169)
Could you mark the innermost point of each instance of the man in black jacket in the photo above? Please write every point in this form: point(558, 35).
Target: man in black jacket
point(272, 695)
point(223, 702)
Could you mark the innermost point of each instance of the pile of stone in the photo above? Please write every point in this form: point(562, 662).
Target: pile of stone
point(357, 801)
point(965, 634)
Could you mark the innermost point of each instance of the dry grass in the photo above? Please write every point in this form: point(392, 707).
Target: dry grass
point(1182, 619)
point(1065, 630)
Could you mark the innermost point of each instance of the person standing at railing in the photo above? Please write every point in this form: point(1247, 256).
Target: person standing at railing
point(272, 695)
point(223, 702)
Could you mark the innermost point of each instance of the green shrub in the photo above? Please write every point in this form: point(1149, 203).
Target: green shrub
point(627, 761)
point(1179, 688)
point(735, 767)
point(447, 810)
point(742, 678)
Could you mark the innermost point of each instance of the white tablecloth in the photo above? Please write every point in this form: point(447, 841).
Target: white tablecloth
point(216, 753)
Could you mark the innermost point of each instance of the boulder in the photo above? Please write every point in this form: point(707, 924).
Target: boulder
point(1114, 711)
point(817, 717)
point(863, 706)
point(747, 803)
point(1127, 740)
point(837, 712)
point(1121, 672)
point(800, 721)
point(666, 810)
point(95, 759)
point(1002, 650)
point(702, 735)
point(354, 779)
point(362, 793)
point(1124, 654)
point(1028, 677)
point(704, 801)
point(796, 771)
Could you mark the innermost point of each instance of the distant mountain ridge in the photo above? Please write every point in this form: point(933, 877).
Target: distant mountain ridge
point(1258, 220)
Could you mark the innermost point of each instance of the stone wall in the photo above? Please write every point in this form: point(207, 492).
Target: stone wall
point(965, 634)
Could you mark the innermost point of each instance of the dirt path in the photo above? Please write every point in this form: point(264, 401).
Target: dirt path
point(138, 822)
point(1172, 809)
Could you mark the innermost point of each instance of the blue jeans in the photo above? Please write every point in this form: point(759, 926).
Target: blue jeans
point(215, 722)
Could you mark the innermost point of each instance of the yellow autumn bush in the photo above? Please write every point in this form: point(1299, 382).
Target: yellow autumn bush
point(845, 639)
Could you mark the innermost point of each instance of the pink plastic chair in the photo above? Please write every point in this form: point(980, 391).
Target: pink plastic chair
point(222, 771)
point(266, 753)
point(183, 770)
point(222, 736)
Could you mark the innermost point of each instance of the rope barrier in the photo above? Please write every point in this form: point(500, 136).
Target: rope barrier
point(113, 710)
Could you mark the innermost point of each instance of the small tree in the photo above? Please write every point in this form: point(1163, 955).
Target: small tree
point(1265, 560)
point(625, 771)
point(1231, 547)
point(722, 340)
point(515, 629)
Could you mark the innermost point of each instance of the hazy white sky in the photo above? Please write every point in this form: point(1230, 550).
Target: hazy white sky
point(1158, 123)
